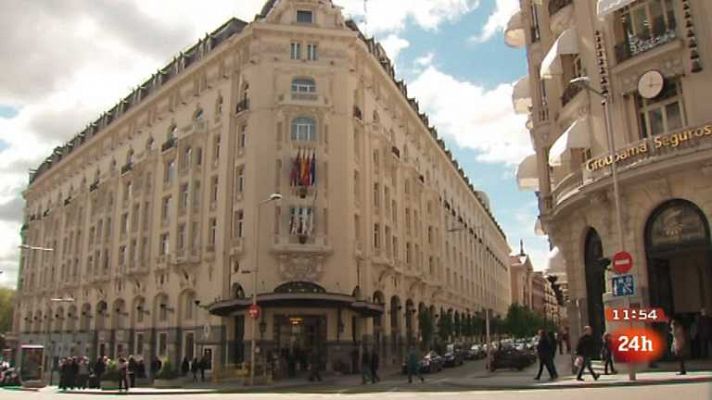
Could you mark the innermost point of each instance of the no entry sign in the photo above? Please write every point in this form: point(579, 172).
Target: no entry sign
point(254, 311)
point(622, 262)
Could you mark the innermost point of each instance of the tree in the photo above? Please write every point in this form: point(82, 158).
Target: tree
point(427, 327)
point(523, 322)
point(6, 306)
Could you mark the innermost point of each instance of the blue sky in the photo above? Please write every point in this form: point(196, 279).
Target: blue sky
point(464, 85)
point(486, 65)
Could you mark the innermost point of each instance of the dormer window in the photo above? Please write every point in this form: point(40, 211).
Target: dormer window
point(305, 17)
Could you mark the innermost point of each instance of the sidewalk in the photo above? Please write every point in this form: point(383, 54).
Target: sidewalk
point(503, 380)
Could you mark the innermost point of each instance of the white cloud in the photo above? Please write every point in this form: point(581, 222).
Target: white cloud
point(392, 15)
point(497, 21)
point(393, 45)
point(88, 55)
point(425, 60)
point(477, 118)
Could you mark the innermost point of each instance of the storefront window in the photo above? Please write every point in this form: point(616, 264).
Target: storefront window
point(662, 114)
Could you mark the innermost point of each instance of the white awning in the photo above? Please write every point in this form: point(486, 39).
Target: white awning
point(556, 262)
point(539, 228)
point(528, 174)
point(576, 136)
point(567, 43)
point(521, 96)
point(606, 7)
point(514, 35)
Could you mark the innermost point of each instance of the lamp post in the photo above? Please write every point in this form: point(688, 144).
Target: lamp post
point(585, 82)
point(49, 335)
point(253, 342)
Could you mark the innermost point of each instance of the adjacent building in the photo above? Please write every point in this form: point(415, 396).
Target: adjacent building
point(640, 70)
point(279, 158)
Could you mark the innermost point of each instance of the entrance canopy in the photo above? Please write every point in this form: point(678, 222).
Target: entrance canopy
point(576, 136)
point(567, 43)
point(606, 7)
point(297, 300)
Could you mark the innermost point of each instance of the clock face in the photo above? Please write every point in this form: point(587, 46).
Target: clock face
point(650, 84)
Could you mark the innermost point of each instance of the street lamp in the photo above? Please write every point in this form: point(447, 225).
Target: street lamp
point(585, 83)
point(271, 198)
point(49, 334)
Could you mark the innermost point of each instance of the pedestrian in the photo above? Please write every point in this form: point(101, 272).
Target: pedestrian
point(544, 352)
point(185, 366)
point(375, 360)
point(141, 368)
point(705, 332)
point(365, 365)
point(314, 366)
point(99, 368)
point(63, 368)
point(413, 365)
point(680, 346)
point(560, 341)
point(133, 370)
point(83, 373)
point(73, 373)
point(567, 340)
point(155, 367)
point(194, 367)
point(123, 374)
point(607, 353)
point(203, 367)
point(585, 350)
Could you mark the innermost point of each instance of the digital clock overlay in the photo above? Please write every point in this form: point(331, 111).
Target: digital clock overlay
point(636, 314)
point(637, 345)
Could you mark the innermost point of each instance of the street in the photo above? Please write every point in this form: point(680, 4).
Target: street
point(692, 391)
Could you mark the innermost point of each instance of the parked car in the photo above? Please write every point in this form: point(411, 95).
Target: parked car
point(478, 351)
point(511, 357)
point(431, 362)
point(452, 359)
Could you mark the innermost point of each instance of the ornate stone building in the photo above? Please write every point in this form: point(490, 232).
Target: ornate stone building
point(650, 60)
point(159, 213)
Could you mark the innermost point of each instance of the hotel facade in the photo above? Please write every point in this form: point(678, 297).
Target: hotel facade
point(163, 216)
point(648, 65)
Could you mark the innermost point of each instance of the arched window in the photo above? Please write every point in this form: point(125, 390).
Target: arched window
point(303, 129)
point(198, 116)
point(303, 85)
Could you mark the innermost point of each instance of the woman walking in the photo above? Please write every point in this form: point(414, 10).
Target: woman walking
point(679, 344)
point(607, 354)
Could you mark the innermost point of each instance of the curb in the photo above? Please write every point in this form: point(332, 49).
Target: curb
point(586, 385)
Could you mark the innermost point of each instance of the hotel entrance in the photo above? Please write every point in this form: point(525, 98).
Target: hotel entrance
point(678, 250)
point(295, 337)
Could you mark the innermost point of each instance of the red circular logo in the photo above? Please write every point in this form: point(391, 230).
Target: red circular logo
point(637, 345)
point(622, 262)
point(254, 311)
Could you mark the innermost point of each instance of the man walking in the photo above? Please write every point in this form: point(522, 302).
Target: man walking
point(365, 365)
point(585, 350)
point(314, 366)
point(374, 366)
point(413, 365)
point(544, 350)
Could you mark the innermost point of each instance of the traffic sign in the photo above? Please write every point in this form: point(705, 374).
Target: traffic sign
point(623, 285)
point(622, 262)
point(254, 311)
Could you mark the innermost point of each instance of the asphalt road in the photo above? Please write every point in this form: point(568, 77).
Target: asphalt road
point(691, 391)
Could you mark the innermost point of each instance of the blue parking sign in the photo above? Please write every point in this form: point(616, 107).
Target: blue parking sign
point(623, 285)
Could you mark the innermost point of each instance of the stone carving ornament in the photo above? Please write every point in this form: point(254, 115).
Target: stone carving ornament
point(300, 268)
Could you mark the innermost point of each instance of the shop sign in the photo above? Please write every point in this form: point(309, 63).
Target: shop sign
point(659, 143)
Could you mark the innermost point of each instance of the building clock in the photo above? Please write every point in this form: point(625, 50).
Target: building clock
point(651, 84)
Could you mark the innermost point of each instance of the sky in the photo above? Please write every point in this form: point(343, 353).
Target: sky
point(66, 62)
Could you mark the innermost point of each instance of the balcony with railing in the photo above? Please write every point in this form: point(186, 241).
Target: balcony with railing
point(168, 144)
point(570, 92)
point(126, 168)
point(636, 45)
